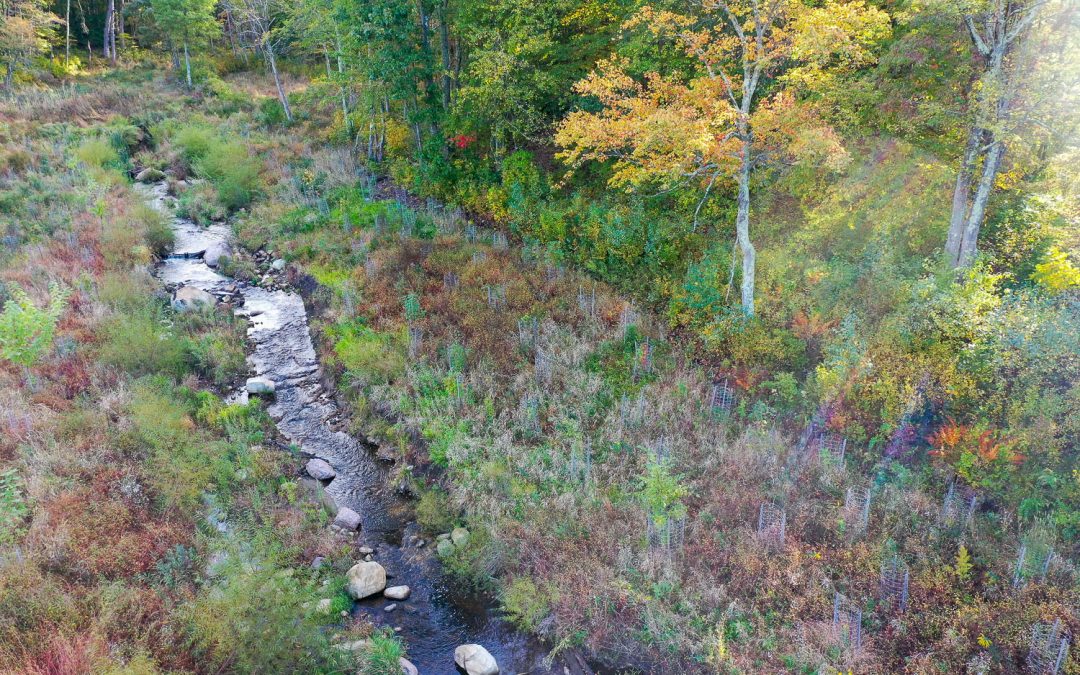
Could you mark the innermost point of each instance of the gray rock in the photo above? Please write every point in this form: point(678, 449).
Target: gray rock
point(391, 607)
point(278, 265)
point(188, 298)
point(215, 253)
point(460, 537)
point(397, 592)
point(355, 646)
point(347, 519)
point(150, 175)
point(319, 469)
point(260, 386)
point(324, 606)
point(407, 668)
point(365, 579)
point(475, 660)
point(366, 550)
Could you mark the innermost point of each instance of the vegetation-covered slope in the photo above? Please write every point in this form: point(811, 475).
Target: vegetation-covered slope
point(621, 287)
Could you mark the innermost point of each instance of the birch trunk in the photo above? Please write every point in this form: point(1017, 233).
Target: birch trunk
point(962, 195)
point(277, 81)
point(187, 64)
point(742, 228)
point(969, 244)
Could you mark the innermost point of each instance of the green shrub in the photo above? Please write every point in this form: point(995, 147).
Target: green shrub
point(526, 604)
point(98, 153)
point(141, 344)
point(13, 508)
point(159, 236)
point(233, 172)
point(433, 511)
point(219, 356)
point(367, 355)
point(26, 331)
point(195, 142)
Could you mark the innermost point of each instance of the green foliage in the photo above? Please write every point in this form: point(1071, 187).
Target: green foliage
point(662, 493)
point(382, 657)
point(143, 344)
point(963, 566)
point(413, 310)
point(26, 331)
point(233, 172)
point(368, 355)
point(1056, 274)
point(98, 153)
point(527, 604)
point(13, 507)
point(433, 511)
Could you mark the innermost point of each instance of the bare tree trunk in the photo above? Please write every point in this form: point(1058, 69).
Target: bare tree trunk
point(187, 64)
point(969, 244)
point(962, 195)
point(742, 227)
point(106, 38)
point(67, 34)
point(444, 38)
point(277, 80)
point(341, 76)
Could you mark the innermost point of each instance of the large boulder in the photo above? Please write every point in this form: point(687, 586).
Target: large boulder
point(150, 175)
point(347, 519)
point(215, 253)
point(365, 579)
point(261, 386)
point(475, 660)
point(320, 469)
point(189, 298)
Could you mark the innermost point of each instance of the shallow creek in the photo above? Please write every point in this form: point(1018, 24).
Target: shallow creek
point(438, 616)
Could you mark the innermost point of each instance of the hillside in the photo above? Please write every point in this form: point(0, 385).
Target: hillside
point(547, 350)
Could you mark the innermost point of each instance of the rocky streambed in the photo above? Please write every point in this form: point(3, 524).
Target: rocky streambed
point(446, 629)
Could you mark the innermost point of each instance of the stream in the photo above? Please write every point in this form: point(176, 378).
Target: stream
point(438, 615)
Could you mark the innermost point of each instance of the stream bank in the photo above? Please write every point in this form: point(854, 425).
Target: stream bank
point(438, 615)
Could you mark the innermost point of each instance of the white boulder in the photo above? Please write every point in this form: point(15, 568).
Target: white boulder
point(460, 537)
point(347, 519)
point(397, 592)
point(320, 469)
point(407, 668)
point(215, 253)
point(475, 660)
point(188, 298)
point(365, 579)
point(260, 386)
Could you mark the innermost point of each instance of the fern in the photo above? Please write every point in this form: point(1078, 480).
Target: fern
point(963, 564)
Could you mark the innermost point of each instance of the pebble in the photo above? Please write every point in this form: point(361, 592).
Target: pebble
point(391, 607)
point(366, 550)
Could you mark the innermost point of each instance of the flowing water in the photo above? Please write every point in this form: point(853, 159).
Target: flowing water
point(439, 615)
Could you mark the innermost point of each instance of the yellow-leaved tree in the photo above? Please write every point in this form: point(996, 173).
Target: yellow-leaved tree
point(696, 128)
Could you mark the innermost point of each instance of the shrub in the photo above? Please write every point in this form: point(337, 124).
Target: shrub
point(26, 331)
point(13, 508)
point(98, 153)
point(233, 172)
point(433, 511)
point(194, 142)
point(368, 355)
point(526, 604)
point(141, 344)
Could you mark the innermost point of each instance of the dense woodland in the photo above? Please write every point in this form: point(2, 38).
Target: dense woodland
point(742, 335)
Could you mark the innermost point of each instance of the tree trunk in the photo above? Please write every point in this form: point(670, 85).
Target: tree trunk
point(277, 81)
point(187, 64)
point(962, 195)
point(742, 228)
point(444, 37)
point(341, 76)
point(67, 34)
point(106, 38)
point(969, 244)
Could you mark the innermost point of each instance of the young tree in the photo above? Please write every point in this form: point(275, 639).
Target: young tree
point(188, 22)
point(698, 128)
point(1027, 68)
point(257, 22)
point(26, 28)
point(26, 330)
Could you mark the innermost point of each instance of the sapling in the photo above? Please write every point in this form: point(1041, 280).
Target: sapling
point(26, 330)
